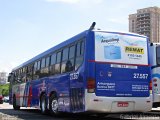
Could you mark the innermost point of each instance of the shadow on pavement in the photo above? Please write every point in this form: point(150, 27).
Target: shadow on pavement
point(34, 114)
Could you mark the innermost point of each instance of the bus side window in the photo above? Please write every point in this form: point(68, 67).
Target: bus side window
point(58, 62)
point(19, 80)
point(14, 77)
point(64, 60)
point(70, 62)
point(158, 55)
point(79, 54)
point(29, 72)
point(36, 70)
point(43, 63)
point(45, 67)
point(48, 59)
point(17, 76)
point(23, 75)
point(53, 62)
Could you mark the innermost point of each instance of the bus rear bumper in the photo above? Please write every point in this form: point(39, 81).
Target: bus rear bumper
point(95, 103)
point(156, 100)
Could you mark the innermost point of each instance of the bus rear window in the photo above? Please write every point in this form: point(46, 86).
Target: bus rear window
point(158, 55)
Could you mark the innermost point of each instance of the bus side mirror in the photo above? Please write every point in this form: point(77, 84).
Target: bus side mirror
point(9, 77)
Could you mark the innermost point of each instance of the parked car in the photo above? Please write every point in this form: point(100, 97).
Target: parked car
point(1, 99)
point(6, 99)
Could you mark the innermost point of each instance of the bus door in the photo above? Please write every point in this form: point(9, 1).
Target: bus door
point(18, 90)
point(77, 79)
point(21, 92)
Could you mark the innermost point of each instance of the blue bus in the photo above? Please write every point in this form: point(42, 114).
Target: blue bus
point(95, 71)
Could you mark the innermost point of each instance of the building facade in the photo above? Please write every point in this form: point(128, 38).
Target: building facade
point(146, 22)
point(3, 77)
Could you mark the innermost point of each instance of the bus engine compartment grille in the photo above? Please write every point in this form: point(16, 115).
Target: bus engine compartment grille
point(76, 99)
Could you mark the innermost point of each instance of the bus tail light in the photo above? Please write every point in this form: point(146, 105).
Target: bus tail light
point(91, 85)
point(150, 87)
point(154, 80)
point(155, 85)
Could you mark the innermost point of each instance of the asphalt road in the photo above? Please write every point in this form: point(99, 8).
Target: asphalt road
point(7, 113)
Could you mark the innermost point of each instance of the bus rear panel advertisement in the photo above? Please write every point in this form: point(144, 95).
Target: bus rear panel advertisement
point(125, 56)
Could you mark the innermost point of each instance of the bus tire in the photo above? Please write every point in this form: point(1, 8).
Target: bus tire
point(53, 105)
point(43, 104)
point(15, 106)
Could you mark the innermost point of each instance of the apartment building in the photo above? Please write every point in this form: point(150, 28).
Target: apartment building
point(146, 22)
point(3, 77)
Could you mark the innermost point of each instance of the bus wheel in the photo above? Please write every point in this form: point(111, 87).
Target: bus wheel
point(43, 104)
point(53, 105)
point(15, 106)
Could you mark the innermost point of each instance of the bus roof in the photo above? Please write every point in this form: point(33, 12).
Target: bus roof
point(121, 32)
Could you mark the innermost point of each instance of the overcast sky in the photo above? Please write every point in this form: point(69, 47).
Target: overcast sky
point(29, 27)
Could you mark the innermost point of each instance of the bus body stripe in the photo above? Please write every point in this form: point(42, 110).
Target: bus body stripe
point(30, 97)
point(117, 63)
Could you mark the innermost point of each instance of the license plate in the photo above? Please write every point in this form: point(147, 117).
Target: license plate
point(122, 104)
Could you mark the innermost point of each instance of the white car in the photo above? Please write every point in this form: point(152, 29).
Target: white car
point(6, 99)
